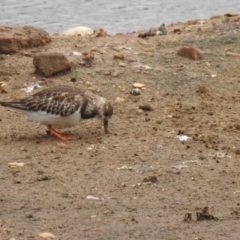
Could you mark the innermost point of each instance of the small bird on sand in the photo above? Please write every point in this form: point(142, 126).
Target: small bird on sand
point(62, 106)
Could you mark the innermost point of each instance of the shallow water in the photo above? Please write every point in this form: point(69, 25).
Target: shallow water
point(115, 16)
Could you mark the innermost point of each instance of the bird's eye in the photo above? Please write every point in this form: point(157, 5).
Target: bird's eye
point(105, 114)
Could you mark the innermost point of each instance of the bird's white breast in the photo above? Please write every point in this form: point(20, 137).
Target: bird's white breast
point(53, 119)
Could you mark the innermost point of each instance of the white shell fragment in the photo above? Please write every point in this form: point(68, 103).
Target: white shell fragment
point(30, 87)
point(77, 53)
point(183, 137)
point(94, 198)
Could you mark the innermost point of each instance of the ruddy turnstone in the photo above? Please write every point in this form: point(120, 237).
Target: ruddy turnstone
point(62, 106)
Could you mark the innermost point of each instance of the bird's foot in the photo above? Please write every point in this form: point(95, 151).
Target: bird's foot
point(59, 135)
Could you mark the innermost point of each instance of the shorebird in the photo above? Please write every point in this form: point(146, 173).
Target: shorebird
point(61, 107)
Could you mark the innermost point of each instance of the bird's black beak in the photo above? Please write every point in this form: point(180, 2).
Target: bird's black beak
point(105, 124)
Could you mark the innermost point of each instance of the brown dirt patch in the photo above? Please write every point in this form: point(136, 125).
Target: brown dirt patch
point(138, 181)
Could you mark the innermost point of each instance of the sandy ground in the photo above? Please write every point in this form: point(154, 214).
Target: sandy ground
point(139, 181)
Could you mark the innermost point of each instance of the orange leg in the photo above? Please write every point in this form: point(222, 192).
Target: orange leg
point(58, 134)
point(61, 133)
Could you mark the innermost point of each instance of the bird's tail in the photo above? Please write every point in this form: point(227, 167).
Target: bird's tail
point(14, 104)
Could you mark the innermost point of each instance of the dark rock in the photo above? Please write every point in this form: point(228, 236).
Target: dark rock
point(50, 63)
point(13, 39)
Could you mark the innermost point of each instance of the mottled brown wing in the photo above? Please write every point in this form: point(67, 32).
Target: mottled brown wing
point(61, 100)
point(54, 101)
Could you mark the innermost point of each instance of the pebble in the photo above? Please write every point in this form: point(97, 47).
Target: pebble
point(138, 85)
point(146, 107)
point(135, 92)
point(118, 56)
point(121, 64)
point(119, 100)
point(115, 74)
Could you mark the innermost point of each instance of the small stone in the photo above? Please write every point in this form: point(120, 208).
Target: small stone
point(135, 91)
point(118, 56)
point(94, 49)
point(2, 85)
point(107, 73)
point(146, 107)
point(46, 235)
point(138, 85)
point(115, 74)
point(121, 64)
point(62, 145)
point(119, 100)
point(50, 63)
point(88, 83)
point(190, 52)
point(131, 60)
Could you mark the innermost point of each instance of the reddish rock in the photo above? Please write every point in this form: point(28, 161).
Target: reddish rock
point(12, 39)
point(190, 52)
point(50, 63)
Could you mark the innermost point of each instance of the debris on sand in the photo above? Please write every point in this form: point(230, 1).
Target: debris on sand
point(138, 64)
point(151, 179)
point(230, 14)
point(94, 197)
point(201, 215)
point(187, 217)
point(101, 32)
point(162, 30)
point(205, 215)
point(31, 87)
point(87, 58)
point(182, 137)
point(129, 168)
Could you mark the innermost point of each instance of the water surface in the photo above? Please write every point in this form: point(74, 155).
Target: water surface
point(56, 16)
